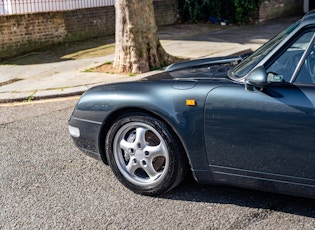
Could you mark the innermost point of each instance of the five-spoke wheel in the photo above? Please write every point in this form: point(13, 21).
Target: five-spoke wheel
point(144, 155)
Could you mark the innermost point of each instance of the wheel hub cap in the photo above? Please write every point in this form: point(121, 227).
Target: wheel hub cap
point(141, 154)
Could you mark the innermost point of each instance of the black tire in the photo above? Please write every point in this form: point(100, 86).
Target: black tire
point(144, 154)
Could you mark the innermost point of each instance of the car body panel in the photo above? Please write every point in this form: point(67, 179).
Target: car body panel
point(165, 99)
point(205, 61)
point(262, 135)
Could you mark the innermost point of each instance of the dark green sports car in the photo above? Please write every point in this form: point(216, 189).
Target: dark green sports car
point(247, 121)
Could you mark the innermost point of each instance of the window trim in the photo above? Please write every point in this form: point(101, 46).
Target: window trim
point(289, 43)
point(302, 60)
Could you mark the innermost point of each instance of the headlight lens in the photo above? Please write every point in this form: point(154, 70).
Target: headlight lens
point(74, 131)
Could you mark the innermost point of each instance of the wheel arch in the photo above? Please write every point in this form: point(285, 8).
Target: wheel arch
point(112, 117)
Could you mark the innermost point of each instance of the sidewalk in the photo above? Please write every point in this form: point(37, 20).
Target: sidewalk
point(19, 82)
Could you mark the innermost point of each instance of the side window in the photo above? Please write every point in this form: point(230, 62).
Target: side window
point(286, 63)
point(306, 74)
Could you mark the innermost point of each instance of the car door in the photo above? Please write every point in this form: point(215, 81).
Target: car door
point(264, 138)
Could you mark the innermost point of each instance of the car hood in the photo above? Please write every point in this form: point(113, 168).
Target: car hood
point(184, 75)
point(173, 81)
point(206, 68)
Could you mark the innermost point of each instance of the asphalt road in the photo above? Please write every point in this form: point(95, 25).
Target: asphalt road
point(46, 183)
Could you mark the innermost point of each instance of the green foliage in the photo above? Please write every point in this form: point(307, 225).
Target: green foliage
point(234, 11)
point(244, 10)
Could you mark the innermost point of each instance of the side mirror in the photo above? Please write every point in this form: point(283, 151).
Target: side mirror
point(257, 78)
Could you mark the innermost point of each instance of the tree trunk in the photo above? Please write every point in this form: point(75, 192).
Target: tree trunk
point(138, 48)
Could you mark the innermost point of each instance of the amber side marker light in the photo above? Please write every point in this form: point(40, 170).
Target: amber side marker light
point(191, 102)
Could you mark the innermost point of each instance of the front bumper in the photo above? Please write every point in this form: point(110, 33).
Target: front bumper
point(85, 135)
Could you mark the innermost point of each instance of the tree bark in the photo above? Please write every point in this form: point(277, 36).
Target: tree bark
point(138, 48)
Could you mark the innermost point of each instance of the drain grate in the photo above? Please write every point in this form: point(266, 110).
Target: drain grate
point(10, 81)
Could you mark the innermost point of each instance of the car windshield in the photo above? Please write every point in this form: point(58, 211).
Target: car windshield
point(246, 65)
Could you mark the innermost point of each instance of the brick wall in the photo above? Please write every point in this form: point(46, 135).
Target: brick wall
point(25, 33)
point(22, 33)
point(88, 23)
point(270, 9)
point(166, 12)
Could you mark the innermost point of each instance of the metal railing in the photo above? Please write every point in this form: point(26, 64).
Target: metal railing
point(9, 7)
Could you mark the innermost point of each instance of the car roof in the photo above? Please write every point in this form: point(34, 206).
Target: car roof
point(309, 18)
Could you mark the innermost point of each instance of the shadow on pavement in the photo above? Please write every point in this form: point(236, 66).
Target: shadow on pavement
point(96, 47)
point(190, 190)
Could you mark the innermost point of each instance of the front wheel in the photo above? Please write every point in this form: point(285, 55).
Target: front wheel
point(144, 154)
